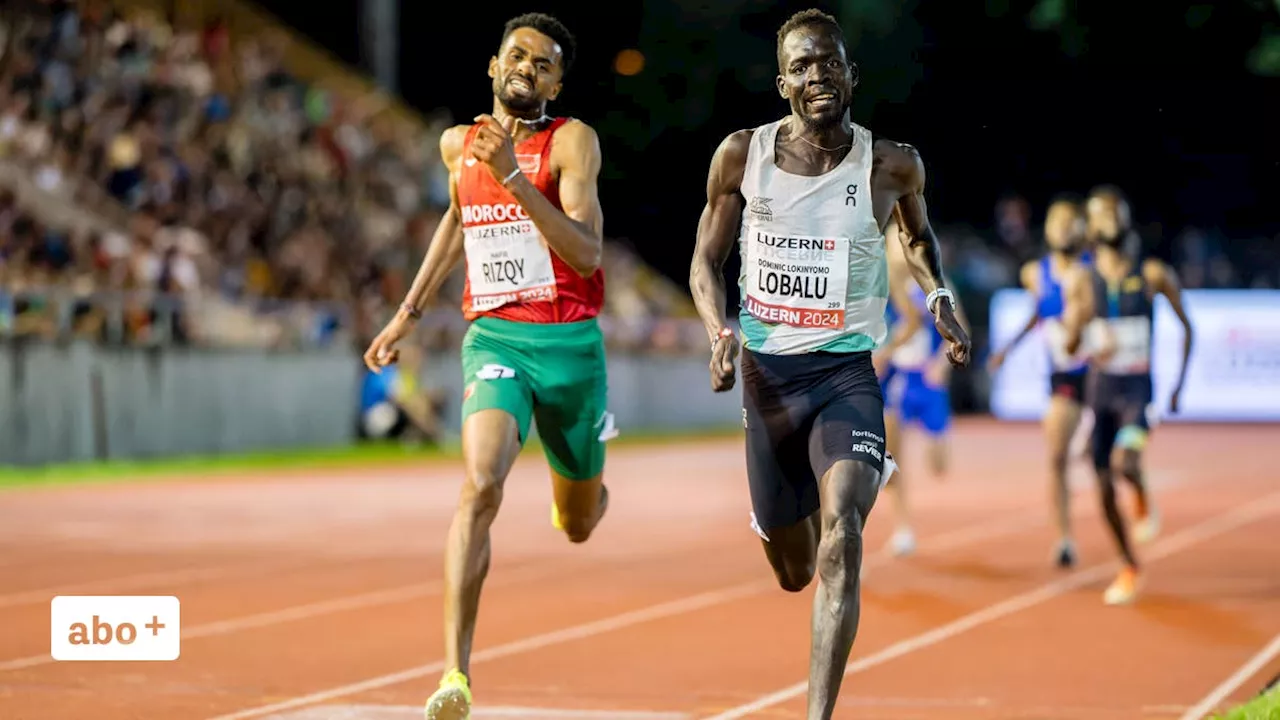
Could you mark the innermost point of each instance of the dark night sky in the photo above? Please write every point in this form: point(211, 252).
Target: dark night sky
point(1164, 109)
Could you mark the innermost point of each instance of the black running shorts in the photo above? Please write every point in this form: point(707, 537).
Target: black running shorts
point(1119, 405)
point(1070, 385)
point(802, 414)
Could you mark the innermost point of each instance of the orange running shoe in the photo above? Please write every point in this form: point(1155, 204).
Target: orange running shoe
point(1124, 588)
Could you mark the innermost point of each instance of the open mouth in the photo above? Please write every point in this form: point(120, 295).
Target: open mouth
point(822, 101)
point(520, 85)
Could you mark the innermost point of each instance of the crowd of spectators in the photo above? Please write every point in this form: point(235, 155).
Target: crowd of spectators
point(164, 185)
point(160, 186)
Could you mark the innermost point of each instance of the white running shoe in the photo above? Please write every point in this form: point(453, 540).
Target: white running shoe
point(903, 542)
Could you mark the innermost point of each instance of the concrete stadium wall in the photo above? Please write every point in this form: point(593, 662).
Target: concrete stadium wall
point(80, 402)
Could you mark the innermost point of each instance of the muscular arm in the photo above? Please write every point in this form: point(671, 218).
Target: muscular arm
point(577, 233)
point(1078, 306)
point(717, 229)
point(919, 243)
point(446, 244)
point(1165, 281)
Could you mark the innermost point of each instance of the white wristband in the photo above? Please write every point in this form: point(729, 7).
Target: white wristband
point(507, 179)
point(932, 300)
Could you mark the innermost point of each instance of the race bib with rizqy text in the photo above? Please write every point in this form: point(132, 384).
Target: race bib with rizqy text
point(796, 281)
point(508, 262)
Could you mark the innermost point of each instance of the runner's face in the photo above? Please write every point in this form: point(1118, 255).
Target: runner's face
point(815, 76)
point(1107, 219)
point(1064, 228)
point(526, 71)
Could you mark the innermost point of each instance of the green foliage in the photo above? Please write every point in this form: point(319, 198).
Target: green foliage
point(1059, 16)
point(1198, 15)
point(1264, 707)
point(1264, 59)
point(1048, 15)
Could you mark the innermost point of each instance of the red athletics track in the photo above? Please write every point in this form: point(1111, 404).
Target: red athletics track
point(317, 598)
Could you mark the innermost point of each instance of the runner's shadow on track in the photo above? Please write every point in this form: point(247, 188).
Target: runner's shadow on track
point(1200, 620)
point(916, 603)
point(971, 569)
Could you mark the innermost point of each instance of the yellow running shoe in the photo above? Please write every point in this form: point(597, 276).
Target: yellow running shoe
point(452, 701)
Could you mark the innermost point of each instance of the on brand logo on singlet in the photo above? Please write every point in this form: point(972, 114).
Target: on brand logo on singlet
point(796, 281)
point(507, 261)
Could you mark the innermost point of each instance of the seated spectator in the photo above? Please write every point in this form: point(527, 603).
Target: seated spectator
point(394, 405)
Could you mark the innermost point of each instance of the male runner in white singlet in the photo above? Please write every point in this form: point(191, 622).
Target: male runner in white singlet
point(807, 199)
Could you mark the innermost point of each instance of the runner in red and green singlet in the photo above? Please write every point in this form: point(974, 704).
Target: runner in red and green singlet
point(525, 214)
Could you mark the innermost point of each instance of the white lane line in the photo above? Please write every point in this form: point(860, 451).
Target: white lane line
point(1252, 667)
point(969, 535)
point(536, 642)
point(1219, 524)
point(414, 712)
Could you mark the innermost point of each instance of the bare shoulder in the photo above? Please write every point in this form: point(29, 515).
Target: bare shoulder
point(1028, 275)
point(735, 146)
point(1154, 269)
point(576, 136)
point(1078, 274)
point(451, 142)
point(730, 160)
point(576, 146)
point(901, 160)
point(1161, 277)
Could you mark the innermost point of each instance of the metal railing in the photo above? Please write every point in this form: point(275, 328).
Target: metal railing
point(152, 318)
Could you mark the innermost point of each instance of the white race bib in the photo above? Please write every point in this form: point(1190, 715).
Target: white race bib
point(1132, 336)
point(508, 262)
point(796, 281)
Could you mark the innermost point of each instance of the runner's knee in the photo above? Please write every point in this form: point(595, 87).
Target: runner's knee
point(482, 491)
point(849, 491)
point(794, 570)
point(1106, 487)
point(577, 526)
point(792, 552)
point(579, 505)
point(794, 577)
point(840, 551)
point(1131, 465)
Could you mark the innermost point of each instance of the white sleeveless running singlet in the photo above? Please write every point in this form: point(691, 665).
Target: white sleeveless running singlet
point(814, 275)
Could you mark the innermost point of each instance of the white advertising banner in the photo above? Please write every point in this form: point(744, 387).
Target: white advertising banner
point(1233, 374)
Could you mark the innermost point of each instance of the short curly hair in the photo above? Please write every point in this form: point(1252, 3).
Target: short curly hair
point(808, 18)
point(552, 28)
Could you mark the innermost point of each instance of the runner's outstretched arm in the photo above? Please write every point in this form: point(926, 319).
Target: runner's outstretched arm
point(920, 247)
point(1029, 282)
point(717, 231)
point(443, 255)
point(446, 247)
point(1165, 280)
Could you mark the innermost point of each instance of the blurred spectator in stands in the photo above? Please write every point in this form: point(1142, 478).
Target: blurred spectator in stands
point(1013, 228)
point(395, 405)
